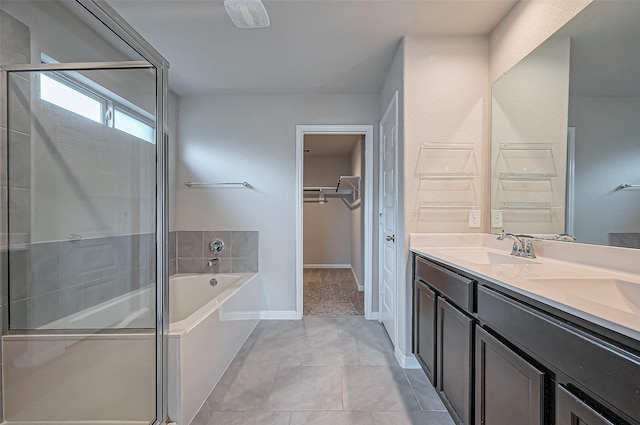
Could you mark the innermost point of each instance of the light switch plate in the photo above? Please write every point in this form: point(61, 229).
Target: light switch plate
point(496, 218)
point(474, 219)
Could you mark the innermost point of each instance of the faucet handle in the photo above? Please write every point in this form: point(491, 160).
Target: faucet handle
point(216, 245)
point(529, 251)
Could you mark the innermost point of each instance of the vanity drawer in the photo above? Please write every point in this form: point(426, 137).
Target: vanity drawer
point(455, 287)
point(609, 373)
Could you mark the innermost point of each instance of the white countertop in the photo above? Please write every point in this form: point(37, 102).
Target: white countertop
point(595, 283)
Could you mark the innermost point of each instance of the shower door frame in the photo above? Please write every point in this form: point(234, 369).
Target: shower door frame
point(152, 59)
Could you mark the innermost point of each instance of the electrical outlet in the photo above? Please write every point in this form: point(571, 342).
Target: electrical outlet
point(496, 218)
point(474, 219)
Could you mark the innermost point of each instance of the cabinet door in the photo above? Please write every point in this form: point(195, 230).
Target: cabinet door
point(572, 411)
point(425, 331)
point(454, 345)
point(509, 390)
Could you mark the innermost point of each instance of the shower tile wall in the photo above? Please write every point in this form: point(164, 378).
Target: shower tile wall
point(239, 256)
point(65, 277)
point(15, 48)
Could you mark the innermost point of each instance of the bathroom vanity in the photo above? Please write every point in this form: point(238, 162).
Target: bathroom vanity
point(510, 340)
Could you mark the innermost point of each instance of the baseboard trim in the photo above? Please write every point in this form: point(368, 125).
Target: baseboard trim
point(360, 287)
point(406, 362)
point(327, 266)
point(279, 315)
point(373, 316)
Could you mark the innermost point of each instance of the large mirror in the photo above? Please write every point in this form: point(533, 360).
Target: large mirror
point(565, 155)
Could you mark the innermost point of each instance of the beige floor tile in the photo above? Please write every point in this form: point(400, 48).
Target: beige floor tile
point(306, 388)
point(427, 396)
point(243, 387)
point(330, 352)
point(376, 351)
point(276, 351)
point(377, 388)
point(360, 328)
point(412, 418)
point(249, 418)
point(331, 418)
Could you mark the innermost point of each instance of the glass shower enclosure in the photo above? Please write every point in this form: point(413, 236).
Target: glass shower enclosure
point(84, 226)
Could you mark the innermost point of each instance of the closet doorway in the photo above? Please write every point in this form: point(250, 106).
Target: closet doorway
point(334, 221)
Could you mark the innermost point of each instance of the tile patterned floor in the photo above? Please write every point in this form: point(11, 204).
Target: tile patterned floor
point(321, 371)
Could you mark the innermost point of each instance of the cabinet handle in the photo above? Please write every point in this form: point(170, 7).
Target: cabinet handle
point(391, 238)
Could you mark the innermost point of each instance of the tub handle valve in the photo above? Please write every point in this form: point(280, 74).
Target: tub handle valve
point(216, 246)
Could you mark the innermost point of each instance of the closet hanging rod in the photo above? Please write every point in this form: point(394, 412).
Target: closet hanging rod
point(627, 186)
point(201, 184)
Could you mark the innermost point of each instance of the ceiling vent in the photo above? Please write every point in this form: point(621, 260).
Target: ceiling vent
point(247, 13)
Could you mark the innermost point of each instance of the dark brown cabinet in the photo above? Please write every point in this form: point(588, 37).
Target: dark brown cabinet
point(425, 329)
point(454, 348)
point(572, 411)
point(508, 389)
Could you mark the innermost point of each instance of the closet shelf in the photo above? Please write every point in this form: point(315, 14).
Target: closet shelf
point(348, 188)
point(350, 184)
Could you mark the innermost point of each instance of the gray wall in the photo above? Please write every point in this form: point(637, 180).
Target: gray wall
point(357, 215)
point(327, 227)
point(607, 154)
point(252, 138)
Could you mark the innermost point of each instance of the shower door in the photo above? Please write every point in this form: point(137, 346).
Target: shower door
point(82, 332)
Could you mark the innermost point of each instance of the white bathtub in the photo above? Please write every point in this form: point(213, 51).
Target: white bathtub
point(209, 325)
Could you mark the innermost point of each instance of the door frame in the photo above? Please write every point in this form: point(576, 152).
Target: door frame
point(392, 108)
point(367, 227)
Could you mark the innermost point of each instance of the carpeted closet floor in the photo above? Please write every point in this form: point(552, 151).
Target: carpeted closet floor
point(331, 293)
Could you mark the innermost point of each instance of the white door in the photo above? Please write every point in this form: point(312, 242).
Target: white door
point(388, 213)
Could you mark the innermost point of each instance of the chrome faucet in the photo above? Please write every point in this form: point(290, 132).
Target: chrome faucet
point(518, 247)
point(213, 262)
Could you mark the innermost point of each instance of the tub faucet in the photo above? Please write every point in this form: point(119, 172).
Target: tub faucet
point(518, 247)
point(213, 262)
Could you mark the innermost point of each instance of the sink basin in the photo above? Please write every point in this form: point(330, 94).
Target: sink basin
point(486, 257)
point(615, 293)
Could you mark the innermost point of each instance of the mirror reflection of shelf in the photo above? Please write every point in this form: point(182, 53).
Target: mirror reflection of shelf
point(525, 146)
point(526, 161)
point(447, 159)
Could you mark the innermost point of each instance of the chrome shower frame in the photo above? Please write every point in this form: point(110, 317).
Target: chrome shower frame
point(152, 59)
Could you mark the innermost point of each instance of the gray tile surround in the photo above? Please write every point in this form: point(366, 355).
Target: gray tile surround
point(274, 379)
point(52, 280)
point(192, 251)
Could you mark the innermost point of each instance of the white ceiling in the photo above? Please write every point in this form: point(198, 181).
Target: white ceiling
point(312, 46)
